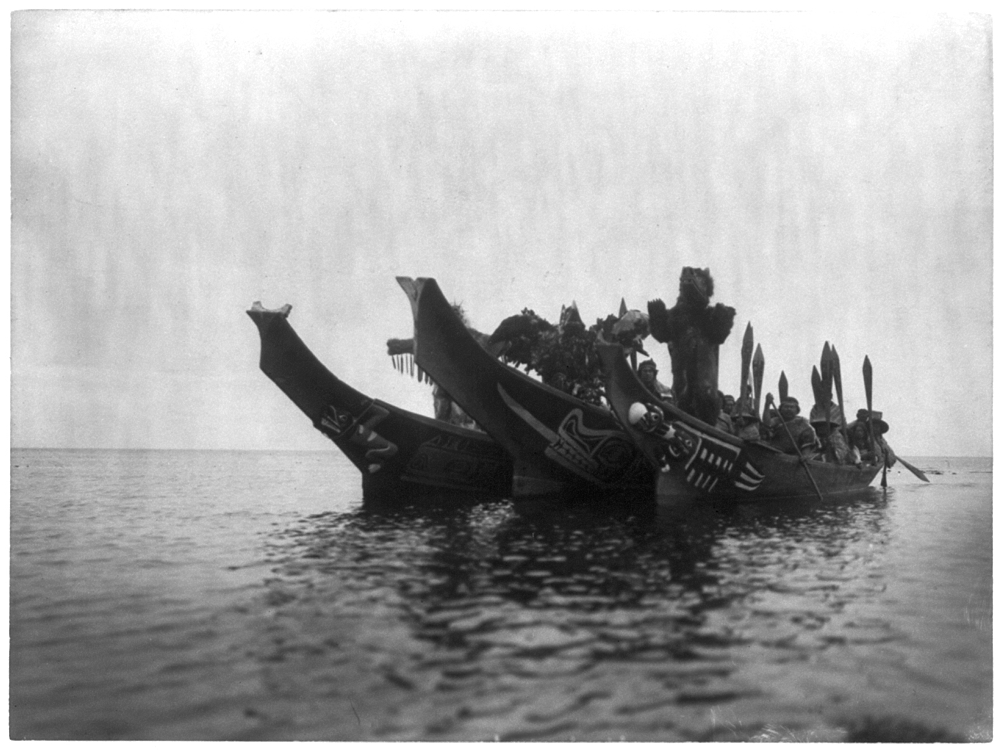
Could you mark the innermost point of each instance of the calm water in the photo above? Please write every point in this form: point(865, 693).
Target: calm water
point(218, 595)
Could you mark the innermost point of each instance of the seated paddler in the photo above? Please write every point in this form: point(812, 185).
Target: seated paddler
point(746, 424)
point(833, 446)
point(724, 421)
point(791, 429)
point(647, 374)
point(859, 435)
point(728, 404)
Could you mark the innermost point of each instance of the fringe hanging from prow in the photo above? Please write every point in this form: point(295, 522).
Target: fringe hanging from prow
point(406, 365)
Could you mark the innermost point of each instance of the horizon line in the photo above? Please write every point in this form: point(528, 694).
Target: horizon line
point(325, 450)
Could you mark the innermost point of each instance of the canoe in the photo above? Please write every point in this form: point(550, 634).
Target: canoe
point(698, 461)
point(397, 451)
point(560, 445)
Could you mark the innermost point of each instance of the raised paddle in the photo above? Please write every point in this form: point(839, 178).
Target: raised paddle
point(866, 373)
point(745, 353)
point(770, 403)
point(782, 394)
point(817, 384)
point(826, 368)
point(758, 379)
point(835, 360)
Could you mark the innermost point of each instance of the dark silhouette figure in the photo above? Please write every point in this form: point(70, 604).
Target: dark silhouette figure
point(693, 331)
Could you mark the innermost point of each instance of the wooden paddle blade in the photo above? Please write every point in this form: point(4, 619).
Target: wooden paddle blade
point(758, 378)
point(866, 372)
point(913, 469)
point(782, 387)
point(817, 385)
point(745, 353)
point(826, 369)
point(835, 360)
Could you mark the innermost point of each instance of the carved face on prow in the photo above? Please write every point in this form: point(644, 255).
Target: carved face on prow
point(696, 286)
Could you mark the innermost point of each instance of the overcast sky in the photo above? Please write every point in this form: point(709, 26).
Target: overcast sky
point(169, 168)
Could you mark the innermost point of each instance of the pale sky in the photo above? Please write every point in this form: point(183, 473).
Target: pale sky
point(170, 168)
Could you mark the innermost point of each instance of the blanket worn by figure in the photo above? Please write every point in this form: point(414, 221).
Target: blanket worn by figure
point(693, 331)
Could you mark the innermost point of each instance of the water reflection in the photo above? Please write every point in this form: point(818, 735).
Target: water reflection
point(579, 557)
point(511, 599)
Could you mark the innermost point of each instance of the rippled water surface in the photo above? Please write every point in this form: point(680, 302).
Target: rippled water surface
point(218, 595)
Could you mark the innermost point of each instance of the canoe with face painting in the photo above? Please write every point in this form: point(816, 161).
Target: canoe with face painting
point(560, 444)
point(698, 461)
point(397, 452)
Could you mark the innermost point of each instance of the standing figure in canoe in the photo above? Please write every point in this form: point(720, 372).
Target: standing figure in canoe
point(693, 331)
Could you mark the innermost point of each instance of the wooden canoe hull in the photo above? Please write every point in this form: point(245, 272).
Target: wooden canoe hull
point(698, 461)
point(395, 450)
point(559, 443)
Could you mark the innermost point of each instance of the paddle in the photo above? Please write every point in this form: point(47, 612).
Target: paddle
point(835, 361)
point(782, 395)
point(745, 353)
point(758, 379)
point(770, 403)
point(821, 402)
point(826, 368)
point(913, 469)
point(817, 386)
point(866, 373)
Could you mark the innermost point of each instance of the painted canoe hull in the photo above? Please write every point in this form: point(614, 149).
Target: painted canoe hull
point(700, 462)
point(559, 444)
point(396, 451)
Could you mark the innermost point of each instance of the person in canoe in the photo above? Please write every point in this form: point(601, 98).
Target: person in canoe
point(859, 436)
point(724, 421)
point(792, 429)
point(647, 374)
point(833, 446)
point(746, 424)
point(729, 404)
